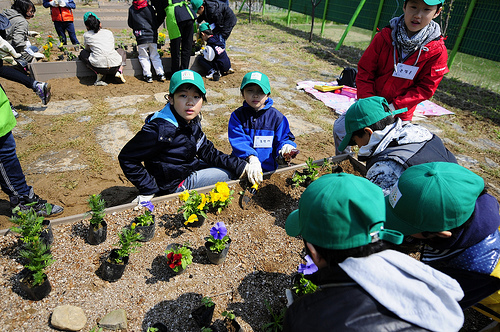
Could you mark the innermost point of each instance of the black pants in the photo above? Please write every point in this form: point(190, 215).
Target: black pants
point(182, 46)
point(15, 75)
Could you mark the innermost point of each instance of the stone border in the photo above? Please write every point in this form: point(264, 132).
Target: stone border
point(358, 166)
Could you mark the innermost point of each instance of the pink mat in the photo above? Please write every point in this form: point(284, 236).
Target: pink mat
point(340, 103)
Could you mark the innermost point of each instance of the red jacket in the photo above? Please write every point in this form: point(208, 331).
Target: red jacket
point(376, 66)
point(61, 14)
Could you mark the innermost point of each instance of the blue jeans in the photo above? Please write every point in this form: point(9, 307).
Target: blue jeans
point(62, 27)
point(12, 180)
point(206, 177)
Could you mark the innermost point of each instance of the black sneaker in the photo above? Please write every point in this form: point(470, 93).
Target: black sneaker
point(34, 202)
point(148, 79)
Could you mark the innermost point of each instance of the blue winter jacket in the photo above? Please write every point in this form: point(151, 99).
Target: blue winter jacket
point(221, 60)
point(261, 134)
point(171, 149)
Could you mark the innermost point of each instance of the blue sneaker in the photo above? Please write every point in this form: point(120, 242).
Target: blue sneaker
point(42, 89)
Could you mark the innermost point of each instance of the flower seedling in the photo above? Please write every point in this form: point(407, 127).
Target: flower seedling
point(128, 243)
point(311, 169)
point(228, 314)
point(161, 38)
point(146, 218)
point(304, 286)
point(152, 329)
point(193, 205)
point(207, 302)
point(97, 206)
point(221, 196)
point(218, 237)
point(179, 257)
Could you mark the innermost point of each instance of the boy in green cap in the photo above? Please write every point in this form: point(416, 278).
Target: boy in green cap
point(387, 144)
point(363, 285)
point(171, 153)
point(257, 131)
point(446, 207)
point(214, 60)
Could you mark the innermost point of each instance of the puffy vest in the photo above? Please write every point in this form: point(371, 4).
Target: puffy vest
point(61, 14)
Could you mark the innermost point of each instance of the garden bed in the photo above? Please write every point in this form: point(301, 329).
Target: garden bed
point(258, 267)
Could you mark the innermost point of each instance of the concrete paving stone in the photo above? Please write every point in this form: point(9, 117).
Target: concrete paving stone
point(240, 50)
point(119, 102)
point(123, 111)
point(281, 79)
point(20, 132)
point(54, 162)
point(113, 136)
point(253, 61)
point(303, 105)
point(467, 161)
point(61, 107)
point(272, 60)
point(84, 118)
point(280, 85)
point(214, 94)
point(489, 143)
point(161, 97)
point(288, 64)
point(330, 121)
point(432, 128)
point(491, 163)
point(302, 63)
point(326, 74)
point(24, 120)
point(299, 126)
point(456, 127)
point(288, 95)
point(208, 108)
point(448, 141)
point(232, 92)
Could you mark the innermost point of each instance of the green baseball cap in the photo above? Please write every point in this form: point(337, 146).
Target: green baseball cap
point(432, 197)
point(341, 211)
point(204, 26)
point(434, 2)
point(186, 76)
point(364, 113)
point(258, 78)
point(87, 14)
point(196, 4)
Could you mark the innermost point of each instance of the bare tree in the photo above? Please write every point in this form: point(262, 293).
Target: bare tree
point(445, 17)
point(314, 4)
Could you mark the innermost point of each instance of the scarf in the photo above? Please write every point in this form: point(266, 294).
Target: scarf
point(407, 45)
point(138, 4)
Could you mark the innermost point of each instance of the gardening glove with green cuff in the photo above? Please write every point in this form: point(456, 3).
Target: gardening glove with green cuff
point(253, 170)
point(142, 198)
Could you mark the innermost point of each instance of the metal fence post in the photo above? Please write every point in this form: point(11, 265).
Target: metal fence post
point(461, 33)
point(351, 22)
point(324, 20)
point(377, 18)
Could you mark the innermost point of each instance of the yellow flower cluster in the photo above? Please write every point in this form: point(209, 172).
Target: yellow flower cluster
point(220, 193)
point(192, 218)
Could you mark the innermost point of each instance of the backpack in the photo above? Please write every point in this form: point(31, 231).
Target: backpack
point(348, 77)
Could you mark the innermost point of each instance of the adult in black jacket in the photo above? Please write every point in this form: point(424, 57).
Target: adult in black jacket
point(363, 285)
point(218, 13)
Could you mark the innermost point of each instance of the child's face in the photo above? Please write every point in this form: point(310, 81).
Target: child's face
point(200, 10)
point(204, 36)
point(418, 15)
point(187, 101)
point(254, 96)
point(365, 139)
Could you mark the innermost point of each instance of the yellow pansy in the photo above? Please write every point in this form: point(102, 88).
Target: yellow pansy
point(192, 218)
point(45, 47)
point(214, 197)
point(183, 196)
point(50, 44)
point(203, 201)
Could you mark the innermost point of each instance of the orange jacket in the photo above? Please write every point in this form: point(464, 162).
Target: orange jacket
point(61, 14)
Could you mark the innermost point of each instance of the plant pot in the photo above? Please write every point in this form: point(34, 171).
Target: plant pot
point(46, 235)
point(203, 315)
point(147, 232)
point(161, 327)
point(181, 270)
point(217, 257)
point(111, 271)
point(97, 235)
point(197, 223)
point(35, 293)
point(232, 325)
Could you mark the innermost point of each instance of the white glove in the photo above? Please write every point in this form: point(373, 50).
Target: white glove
point(53, 3)
point(142, 198)
point(33, 33)
point(254, 170)
point(62, 3)
point(209, 53)
point(38, 55)
point(287, 148)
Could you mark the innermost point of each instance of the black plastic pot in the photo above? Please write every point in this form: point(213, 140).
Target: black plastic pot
point(217, 257)
point(46, 235)
point(181, 270)
point(35, 293)
point(112, 271)
point(97, 235)
point(161, 327)
point(232, 325)
point(203, 315)
point(147, 232)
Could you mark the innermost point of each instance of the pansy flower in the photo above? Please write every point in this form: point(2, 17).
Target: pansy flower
point(309, 267)
point(218, 231)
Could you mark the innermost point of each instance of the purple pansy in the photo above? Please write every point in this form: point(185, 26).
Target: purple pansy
point(218, 231)
point(148, 205)
point(309, 267)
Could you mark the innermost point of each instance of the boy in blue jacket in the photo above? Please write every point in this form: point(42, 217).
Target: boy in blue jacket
point(214, 59)
point(257, 131)
point(171, 153)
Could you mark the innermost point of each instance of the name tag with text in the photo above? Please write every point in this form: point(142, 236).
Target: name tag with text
point(405, 71)
point(263, 142)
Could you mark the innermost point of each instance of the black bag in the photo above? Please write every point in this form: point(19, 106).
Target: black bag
point(348, 77)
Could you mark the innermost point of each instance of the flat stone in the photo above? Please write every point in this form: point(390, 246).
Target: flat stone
point(491, 163)
point(54, 162)
point(119, 102)
point(280, 85)
point(113, 136)
point(299, 126)
point(288, 95)
point(20, 132)
point(467, 161)
point(449, 141)
point(62, 107)
point(456, 127)
point(240, 50)
point(272, 60)
point(161, 97)
point(68, 318)
point(85, 118)
point(232, 92)
point(303, 63)
point(302, 104)
point(489, 143)
point(123, 111)
point(432, 128)
point(208, 108)
point(326, 73)
point(214, 94)
point(25, 120)
point(115, 320)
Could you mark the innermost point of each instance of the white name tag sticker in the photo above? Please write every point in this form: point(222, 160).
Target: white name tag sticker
point(263, 142)
point(405, 71)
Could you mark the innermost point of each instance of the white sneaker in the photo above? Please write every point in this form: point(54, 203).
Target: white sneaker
point(230, 71)
point(99, 80)
point(120, 76)
point(210, 74)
